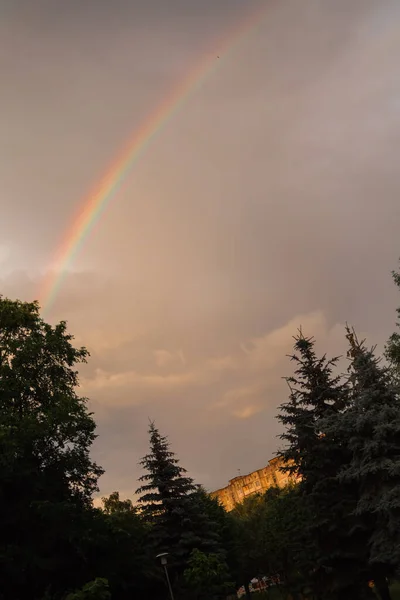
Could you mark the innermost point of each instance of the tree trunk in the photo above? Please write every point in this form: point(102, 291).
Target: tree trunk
point(383, 588)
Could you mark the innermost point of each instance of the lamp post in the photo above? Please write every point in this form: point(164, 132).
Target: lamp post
point(163, 558)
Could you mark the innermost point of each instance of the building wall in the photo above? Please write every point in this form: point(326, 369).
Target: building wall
point(256, 482)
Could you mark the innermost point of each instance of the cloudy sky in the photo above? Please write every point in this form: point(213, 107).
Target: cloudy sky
point(269, 201)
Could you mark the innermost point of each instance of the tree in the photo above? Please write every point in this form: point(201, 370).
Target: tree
point(220, 523)
point(173, 506)
point(46, 474)
point(271, 539)
point(205, 526)
point(118, 547)
point(94, 590)
point(290, 551)
point(392, 350)
point(44, 424)
point(165, 485)
point(250, 541)
point(372, 426)
point(316, 453)
point(207, 576)
point(113, 505)
point(315, 392)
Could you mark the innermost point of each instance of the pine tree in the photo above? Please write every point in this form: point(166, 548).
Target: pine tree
point(203, 530)
point(315, 393)
point(372, 425)
point(174, 506)
point(166, 487)
point(316, 454)
point(392, 350)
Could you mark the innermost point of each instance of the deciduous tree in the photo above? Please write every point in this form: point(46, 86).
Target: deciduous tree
point(46, 431)
point(206, 577)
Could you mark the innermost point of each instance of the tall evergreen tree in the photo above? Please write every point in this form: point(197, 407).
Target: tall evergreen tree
point(315, 453)
point(372, 427)
point(204, 527)
point(315, 392)
point(392, 350)
point(165, 487)
point(174, 506)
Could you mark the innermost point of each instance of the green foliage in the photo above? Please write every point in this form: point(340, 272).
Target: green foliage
point(46, 474)
point(315, 393)
point(94, 590)
point(45, 427)
point(251, 543)
point(290, 551)
point(124, 555)
point(372, 429)
point(270, 533)
point(114, 506)
point(165, 487)
point(175, 509)
point(392, 350)
point(207, 576)
point(318, 397)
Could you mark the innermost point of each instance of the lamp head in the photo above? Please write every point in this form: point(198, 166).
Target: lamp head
point(163, 557)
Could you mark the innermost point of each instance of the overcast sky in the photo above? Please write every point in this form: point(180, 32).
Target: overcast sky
point(269, 201)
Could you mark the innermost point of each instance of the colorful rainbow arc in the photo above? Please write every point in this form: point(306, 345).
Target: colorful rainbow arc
point(94, 204)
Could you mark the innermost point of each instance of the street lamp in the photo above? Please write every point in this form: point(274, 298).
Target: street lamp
point(163, 558)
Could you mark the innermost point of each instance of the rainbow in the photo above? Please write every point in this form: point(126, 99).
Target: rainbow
point(94, 204)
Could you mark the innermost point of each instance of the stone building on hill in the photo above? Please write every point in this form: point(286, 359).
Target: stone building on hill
point(256, 482)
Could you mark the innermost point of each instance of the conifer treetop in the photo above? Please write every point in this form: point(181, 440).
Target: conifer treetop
point(372, 428)
point(392, 350)
point(315, 392)
point(165, 482)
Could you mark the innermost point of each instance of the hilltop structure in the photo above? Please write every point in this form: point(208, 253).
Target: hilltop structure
point(256, 482)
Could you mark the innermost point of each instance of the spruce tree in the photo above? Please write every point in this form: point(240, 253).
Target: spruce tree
point(203, 529)
point(392, 350)
point(165, 485)
point(174, 506)
point(315, 393)
point(372, 426)
point(164, 496)
point(316, 454)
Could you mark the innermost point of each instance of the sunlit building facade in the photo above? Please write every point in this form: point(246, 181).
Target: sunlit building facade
point(256, 482)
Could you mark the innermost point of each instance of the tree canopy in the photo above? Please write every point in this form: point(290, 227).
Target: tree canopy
point(47, 477)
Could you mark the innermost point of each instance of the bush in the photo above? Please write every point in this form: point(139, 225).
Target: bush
point(94, 590)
